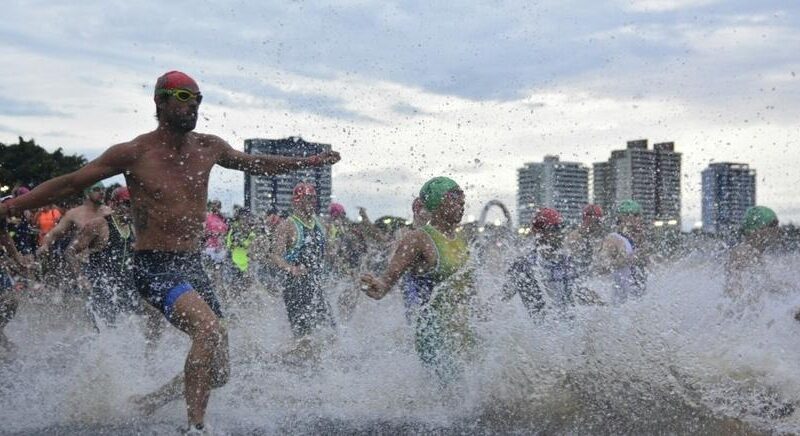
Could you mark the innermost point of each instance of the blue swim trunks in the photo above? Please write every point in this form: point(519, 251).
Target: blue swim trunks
point(162, 277)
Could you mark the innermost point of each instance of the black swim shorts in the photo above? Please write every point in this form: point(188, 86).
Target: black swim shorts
point(161, 277)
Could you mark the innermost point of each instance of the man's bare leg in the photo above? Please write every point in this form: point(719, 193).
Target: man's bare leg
point(207, 365)
point(153, 329)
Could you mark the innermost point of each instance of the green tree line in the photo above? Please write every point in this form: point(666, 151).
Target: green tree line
point(28, 164)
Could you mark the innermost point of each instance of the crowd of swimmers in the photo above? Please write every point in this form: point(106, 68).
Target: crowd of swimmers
point(157, 248)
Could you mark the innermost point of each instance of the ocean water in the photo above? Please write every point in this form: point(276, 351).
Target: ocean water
point(681, 359)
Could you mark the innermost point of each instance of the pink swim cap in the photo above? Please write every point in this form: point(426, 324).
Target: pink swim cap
point(336, 210)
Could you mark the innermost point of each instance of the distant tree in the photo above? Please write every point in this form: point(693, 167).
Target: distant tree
point(28, 164)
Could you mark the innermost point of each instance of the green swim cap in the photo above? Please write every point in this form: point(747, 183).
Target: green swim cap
point(758, 217)
point(93, 187)
point(432, 192)
point(629, 207)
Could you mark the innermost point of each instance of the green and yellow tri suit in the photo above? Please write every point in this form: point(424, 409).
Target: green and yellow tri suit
point(441, 298)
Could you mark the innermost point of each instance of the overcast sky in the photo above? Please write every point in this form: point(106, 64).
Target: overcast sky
point(413, 89)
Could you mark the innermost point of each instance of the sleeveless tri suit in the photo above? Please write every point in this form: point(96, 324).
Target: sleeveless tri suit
point(440, 300)
point(305, 300)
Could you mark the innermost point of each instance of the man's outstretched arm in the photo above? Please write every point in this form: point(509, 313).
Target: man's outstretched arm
point(110, 163)
point(271, 164)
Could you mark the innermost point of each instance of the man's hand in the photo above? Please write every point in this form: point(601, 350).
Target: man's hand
point(372, 286)
point(324, 158)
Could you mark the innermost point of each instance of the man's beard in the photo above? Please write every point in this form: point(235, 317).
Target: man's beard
point(185, 124)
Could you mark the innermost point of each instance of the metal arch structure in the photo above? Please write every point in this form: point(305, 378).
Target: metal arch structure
point(503, 208)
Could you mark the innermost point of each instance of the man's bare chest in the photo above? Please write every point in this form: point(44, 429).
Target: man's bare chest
point(162, 175)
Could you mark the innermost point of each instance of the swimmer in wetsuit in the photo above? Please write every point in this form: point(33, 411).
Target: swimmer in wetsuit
point(544, 276)
point(167, 171)
point(439, 284)
point(760, 232)
point(584, 242)
point(624, 253)
point(299, 251)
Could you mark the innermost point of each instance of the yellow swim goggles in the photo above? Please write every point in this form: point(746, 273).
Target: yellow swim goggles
point(180, 94)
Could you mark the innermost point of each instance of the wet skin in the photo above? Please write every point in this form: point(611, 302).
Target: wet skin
point(416, 250)
point(167, 174)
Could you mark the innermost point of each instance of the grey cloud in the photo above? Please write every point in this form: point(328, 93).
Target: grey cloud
point(478, 51)
point(406, 109)
point(60, 134)
point(315, 103)
point(25, 108)
point(383, 176)
point(495, 51)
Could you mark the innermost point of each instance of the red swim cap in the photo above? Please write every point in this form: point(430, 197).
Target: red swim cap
point(592, 213)
point(121, 194)
point(336, 210)
point(547, 218)
point(302, 190)
point(175, 80)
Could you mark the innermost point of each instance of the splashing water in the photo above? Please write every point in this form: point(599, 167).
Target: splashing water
point(679, 359)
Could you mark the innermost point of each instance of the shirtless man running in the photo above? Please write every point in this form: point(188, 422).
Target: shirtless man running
point(167, 172)
point(77, 217)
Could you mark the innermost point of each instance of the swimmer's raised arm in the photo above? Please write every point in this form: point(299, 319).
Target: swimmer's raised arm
point(270, 164)
point(112, 162)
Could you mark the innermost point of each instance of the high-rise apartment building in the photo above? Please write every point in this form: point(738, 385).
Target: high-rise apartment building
point(563, 186)
point(668, 182)
point(728, 190)
point(264, 193)
point(652, 177)
point(602, 191)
